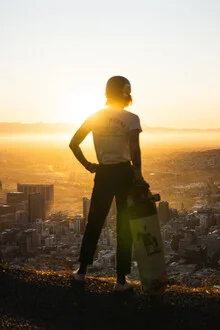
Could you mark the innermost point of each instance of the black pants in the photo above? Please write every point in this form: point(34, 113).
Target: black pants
point(110, 181)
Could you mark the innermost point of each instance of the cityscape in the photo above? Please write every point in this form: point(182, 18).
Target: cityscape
point(41, 223)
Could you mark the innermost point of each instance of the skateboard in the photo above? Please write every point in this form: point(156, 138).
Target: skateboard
point(147, 240)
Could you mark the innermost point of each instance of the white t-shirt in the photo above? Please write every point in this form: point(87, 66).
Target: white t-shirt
point(110, 128)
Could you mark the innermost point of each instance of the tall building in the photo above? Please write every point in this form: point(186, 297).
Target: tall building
point(46, 190)
point(6, 209)
point(1, 192)
point(36, 207)
point(163, 211)
point(15, 197)
point(78, 224)
point(86, 206)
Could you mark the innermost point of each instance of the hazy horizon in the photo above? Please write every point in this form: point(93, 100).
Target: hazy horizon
point(164, 141)
point(75, 125)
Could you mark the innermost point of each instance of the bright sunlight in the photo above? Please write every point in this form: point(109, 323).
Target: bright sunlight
point(76, 107)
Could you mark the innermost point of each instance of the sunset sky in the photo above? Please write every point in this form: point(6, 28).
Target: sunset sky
point(56, 56)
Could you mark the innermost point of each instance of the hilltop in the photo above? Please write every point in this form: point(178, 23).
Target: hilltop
point(208, 160)
point(42, 301)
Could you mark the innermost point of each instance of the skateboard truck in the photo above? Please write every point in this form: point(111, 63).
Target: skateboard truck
point(156, 197)
point(140, 193)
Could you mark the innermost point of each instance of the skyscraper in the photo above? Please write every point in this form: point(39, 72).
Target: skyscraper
point(36, 207)
point(46, 190)
point(1, 192)
point(78, 224)
point(86, 206)
point(163, 211)
point(7, 209)
point(15, 197)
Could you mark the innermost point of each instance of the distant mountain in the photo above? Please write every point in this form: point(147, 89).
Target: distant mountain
point(35, 128)
point(178, 130)
point(45, 128)
point(197, 160)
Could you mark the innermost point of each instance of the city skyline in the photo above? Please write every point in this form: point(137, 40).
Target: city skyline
point(41, 255)
point(57, 56)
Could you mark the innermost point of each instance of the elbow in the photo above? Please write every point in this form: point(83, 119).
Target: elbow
point(73, 145)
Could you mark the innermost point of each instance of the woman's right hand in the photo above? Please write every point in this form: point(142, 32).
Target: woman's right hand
point(91, 167)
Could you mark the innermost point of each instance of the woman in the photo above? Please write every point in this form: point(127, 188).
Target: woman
point(116, 141)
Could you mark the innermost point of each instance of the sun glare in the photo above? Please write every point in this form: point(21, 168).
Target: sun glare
point(78, 106)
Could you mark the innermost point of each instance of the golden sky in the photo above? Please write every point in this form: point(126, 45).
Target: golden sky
point(56, 56)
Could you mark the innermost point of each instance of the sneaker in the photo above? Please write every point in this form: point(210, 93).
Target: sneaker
point(78, 278)
point(123, 287)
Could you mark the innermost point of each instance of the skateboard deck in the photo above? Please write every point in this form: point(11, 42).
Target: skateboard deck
point(147, 241)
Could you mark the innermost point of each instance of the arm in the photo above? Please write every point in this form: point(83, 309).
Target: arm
point(135, 152)
point(78, 137)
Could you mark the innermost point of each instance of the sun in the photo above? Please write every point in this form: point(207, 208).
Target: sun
point(75, 108)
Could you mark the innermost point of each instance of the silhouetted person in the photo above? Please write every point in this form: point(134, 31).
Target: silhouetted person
point(116, 141)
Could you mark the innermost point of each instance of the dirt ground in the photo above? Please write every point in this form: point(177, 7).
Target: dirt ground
point(34, 300)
